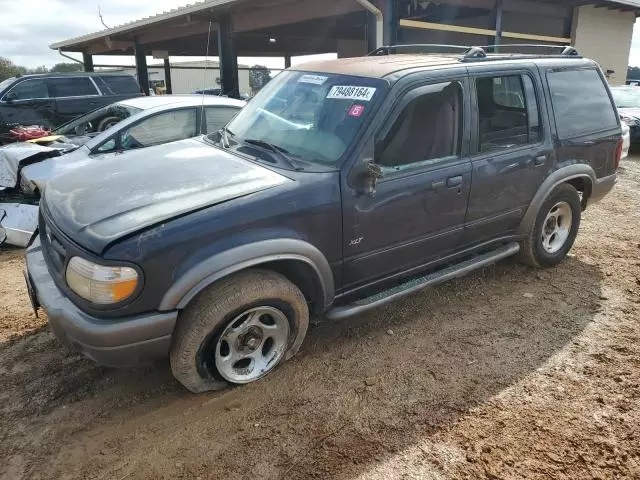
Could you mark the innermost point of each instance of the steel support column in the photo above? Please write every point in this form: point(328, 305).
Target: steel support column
point(390, 29)
point(568, 24)
point(228, 58)
point(497, 24)
point(141, 67)
point(372, 26)
point(167, 76)
point(87, 59)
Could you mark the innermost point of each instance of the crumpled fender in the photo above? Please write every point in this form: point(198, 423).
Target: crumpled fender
point(17, 155)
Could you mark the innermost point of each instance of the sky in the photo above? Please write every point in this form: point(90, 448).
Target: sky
point(29, 26)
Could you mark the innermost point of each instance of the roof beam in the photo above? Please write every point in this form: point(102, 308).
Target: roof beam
point(291, 12)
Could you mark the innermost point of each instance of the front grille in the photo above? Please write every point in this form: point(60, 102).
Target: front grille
point(53, 248)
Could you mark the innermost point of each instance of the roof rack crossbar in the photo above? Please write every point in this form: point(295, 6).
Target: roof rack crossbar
point(567, 50)
point(479, 53)
point(391, 49)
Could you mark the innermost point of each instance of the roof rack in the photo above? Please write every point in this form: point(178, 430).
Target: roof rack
point(437, 47)
point(478, 53)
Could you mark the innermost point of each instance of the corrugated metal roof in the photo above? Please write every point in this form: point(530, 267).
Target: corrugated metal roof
point(161, 17)
point(194, 8)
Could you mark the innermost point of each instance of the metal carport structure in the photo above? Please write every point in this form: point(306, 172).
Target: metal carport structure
point(288, 28)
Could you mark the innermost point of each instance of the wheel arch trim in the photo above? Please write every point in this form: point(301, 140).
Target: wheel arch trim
point(231, 261)
point(562, 175)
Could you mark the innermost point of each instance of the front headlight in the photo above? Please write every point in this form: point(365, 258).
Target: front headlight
point(99, 284)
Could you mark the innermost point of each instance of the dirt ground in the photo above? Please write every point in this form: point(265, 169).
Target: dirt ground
point(510, 373)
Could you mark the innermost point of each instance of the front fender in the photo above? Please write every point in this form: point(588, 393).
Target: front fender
point(225, 263)
point(562, 175)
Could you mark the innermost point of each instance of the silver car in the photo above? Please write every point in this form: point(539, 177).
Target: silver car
point(130, 124)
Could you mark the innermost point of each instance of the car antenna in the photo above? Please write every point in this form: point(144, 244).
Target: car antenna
point(206, 64)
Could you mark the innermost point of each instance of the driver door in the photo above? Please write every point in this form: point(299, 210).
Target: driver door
point(417, 213)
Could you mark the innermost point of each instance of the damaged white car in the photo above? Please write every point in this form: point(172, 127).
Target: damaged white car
point(130, 124)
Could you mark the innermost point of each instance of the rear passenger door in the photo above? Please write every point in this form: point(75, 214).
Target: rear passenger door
point(117, 87)
point(513, 151)
point(75, 96)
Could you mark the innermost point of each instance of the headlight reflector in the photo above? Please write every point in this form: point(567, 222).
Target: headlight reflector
point(100, 284)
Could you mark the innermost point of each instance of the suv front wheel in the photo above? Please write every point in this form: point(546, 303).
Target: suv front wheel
point(555, 228)
point(238, 330)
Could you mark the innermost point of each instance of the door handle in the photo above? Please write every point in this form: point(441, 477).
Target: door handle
point(453, 182)
point(540, 160)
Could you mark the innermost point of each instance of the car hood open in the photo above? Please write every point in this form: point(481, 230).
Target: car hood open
point(101, 202)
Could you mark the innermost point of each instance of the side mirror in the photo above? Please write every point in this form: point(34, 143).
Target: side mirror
point(367, 175)
point(10, 97)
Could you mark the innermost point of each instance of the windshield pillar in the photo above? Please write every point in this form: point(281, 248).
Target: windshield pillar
point(228, 57)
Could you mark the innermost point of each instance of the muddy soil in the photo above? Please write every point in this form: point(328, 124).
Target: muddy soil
point(509, 373)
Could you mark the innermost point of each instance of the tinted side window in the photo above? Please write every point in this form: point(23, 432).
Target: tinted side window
point(507, 116)
point(72, 87)
point(427, 130)
point(218, 117)
point(29, 90)
point(162, 128)
point(580, 102)
point(121, 84)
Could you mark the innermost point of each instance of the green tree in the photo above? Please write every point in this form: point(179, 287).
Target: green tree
point(633, 73)
point(67, 67)
point(41, 69)
point(259, 76)
point(9, 69)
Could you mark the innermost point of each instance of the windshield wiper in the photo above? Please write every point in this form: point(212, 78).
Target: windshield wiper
point(281, 152)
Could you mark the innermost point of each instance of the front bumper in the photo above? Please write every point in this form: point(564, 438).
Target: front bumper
point(118, 342)
point(601, 187)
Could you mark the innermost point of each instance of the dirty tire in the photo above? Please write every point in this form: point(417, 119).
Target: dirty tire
point(204, 319)
point(532, 251)
point(107, 122)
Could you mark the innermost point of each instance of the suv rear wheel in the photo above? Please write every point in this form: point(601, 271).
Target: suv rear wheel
point(555, 229)
point(238, 331)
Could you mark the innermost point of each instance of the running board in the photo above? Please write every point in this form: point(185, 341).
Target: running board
point(411, 286)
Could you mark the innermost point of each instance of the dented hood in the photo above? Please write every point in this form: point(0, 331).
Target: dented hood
point(104, 201)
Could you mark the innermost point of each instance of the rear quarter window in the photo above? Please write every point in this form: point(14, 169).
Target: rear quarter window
point(119, 85)
point(581, 103)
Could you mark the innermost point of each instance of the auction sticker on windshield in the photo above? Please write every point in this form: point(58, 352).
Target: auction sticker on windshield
point(352, 93)
point(313, 79)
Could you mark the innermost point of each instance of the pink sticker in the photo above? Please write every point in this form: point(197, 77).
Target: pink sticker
point(356, 110)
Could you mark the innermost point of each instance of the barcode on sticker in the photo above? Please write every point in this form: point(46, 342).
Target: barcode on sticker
point(352, 93)
point(314, 79)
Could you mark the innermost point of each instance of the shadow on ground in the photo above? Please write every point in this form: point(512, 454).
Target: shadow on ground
point(360, 391)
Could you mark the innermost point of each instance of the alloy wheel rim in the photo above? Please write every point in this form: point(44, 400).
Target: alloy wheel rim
point(252, 344)
point(557, 227)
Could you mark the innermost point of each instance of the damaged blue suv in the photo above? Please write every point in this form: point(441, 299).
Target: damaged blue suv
point(342, 185)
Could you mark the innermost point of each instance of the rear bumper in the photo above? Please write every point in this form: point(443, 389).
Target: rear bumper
point(113, 342)
point(601, 187)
